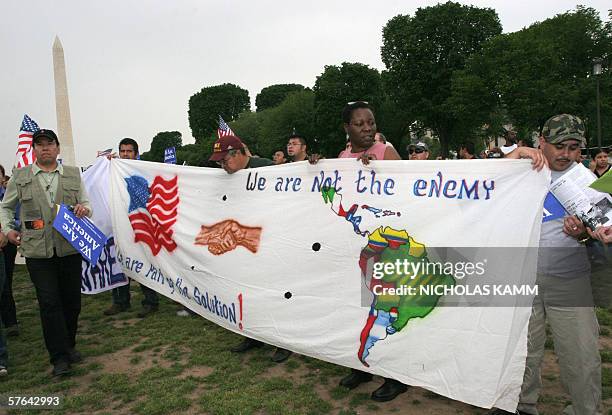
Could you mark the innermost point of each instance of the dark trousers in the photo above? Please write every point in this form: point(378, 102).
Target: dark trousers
point(8, 312)
point(3, 351)
point(58, 288)
point(121, 295)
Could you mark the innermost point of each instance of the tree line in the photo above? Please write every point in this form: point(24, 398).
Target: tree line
point(448, 69)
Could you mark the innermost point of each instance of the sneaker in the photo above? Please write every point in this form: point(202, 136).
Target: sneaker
point(115, 309)
point(3, 371)
point(12, 331)
point(146, 310)
point(280, 355)
point(61, 368)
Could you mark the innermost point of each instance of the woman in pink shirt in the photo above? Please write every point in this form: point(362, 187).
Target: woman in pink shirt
point(360, 127)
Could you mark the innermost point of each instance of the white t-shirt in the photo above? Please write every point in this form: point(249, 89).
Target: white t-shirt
point(508, 149)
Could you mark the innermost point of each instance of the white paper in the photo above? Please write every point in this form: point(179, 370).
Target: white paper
point(573, 192)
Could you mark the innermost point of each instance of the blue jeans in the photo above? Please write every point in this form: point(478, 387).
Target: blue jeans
point(121, 295)
point(3, 351)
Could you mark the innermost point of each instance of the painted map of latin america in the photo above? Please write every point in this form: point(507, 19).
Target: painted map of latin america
point(389, 312)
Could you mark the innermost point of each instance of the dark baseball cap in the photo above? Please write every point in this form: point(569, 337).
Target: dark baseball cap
point(223, 145)
point(48, 134)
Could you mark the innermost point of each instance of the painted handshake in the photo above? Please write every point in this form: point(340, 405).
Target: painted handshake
point(226, 235)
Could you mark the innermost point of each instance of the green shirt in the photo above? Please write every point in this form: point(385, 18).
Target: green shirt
point(258, 162)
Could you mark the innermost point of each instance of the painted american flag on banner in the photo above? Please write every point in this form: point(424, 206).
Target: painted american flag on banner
point(25, 151)
point(224, 129)
point(153, 211)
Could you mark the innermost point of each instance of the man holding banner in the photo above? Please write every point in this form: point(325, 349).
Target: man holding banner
point(565, 297)
point(54, 265)
point(128, 149)
point(230, 153)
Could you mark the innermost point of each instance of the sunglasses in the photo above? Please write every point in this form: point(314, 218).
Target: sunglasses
point(416, 150)
point(357, 102)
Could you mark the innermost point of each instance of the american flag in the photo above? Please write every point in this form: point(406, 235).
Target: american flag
point(223, 129)
point(104, 153)
point(153, 211)
point(25, 152)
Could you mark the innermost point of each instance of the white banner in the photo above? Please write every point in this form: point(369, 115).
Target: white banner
point(300, 256)
point(107, 273)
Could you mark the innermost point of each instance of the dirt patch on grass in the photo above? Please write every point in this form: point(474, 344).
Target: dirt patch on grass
point(415, 401)
point(119, 324)
point(196, 372)
point(133, 363)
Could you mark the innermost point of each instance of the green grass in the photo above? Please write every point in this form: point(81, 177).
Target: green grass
point(604, 316)
point(606, 356)
point(166, 364)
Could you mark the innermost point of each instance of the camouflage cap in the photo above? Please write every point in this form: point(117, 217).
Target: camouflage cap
point(563, 127)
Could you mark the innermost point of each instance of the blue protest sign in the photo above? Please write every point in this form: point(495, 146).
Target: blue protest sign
point(82, 234)
point(553, 209)
point(170, 155)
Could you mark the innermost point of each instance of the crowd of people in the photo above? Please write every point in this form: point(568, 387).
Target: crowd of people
point(27, 212)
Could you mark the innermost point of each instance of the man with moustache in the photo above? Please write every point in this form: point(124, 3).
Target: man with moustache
point(54, 265)
point(564, 289)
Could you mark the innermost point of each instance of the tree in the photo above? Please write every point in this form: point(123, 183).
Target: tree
point(227, 100)
point(422, 52)
point(333, 89)
point(160, 142)
point(538, 72)
point(273, 95)
point(295, 113)
point(394, 122)
point(268, 130)
point(193, 154)
point(247, 126)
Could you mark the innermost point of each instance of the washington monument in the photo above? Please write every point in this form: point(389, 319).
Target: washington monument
point(62, 106)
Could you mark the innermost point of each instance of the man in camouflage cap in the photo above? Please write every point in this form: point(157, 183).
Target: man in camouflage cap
point(564, 290)
point(563, 127)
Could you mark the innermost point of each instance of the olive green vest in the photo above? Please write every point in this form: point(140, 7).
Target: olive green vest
point(41, 243)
